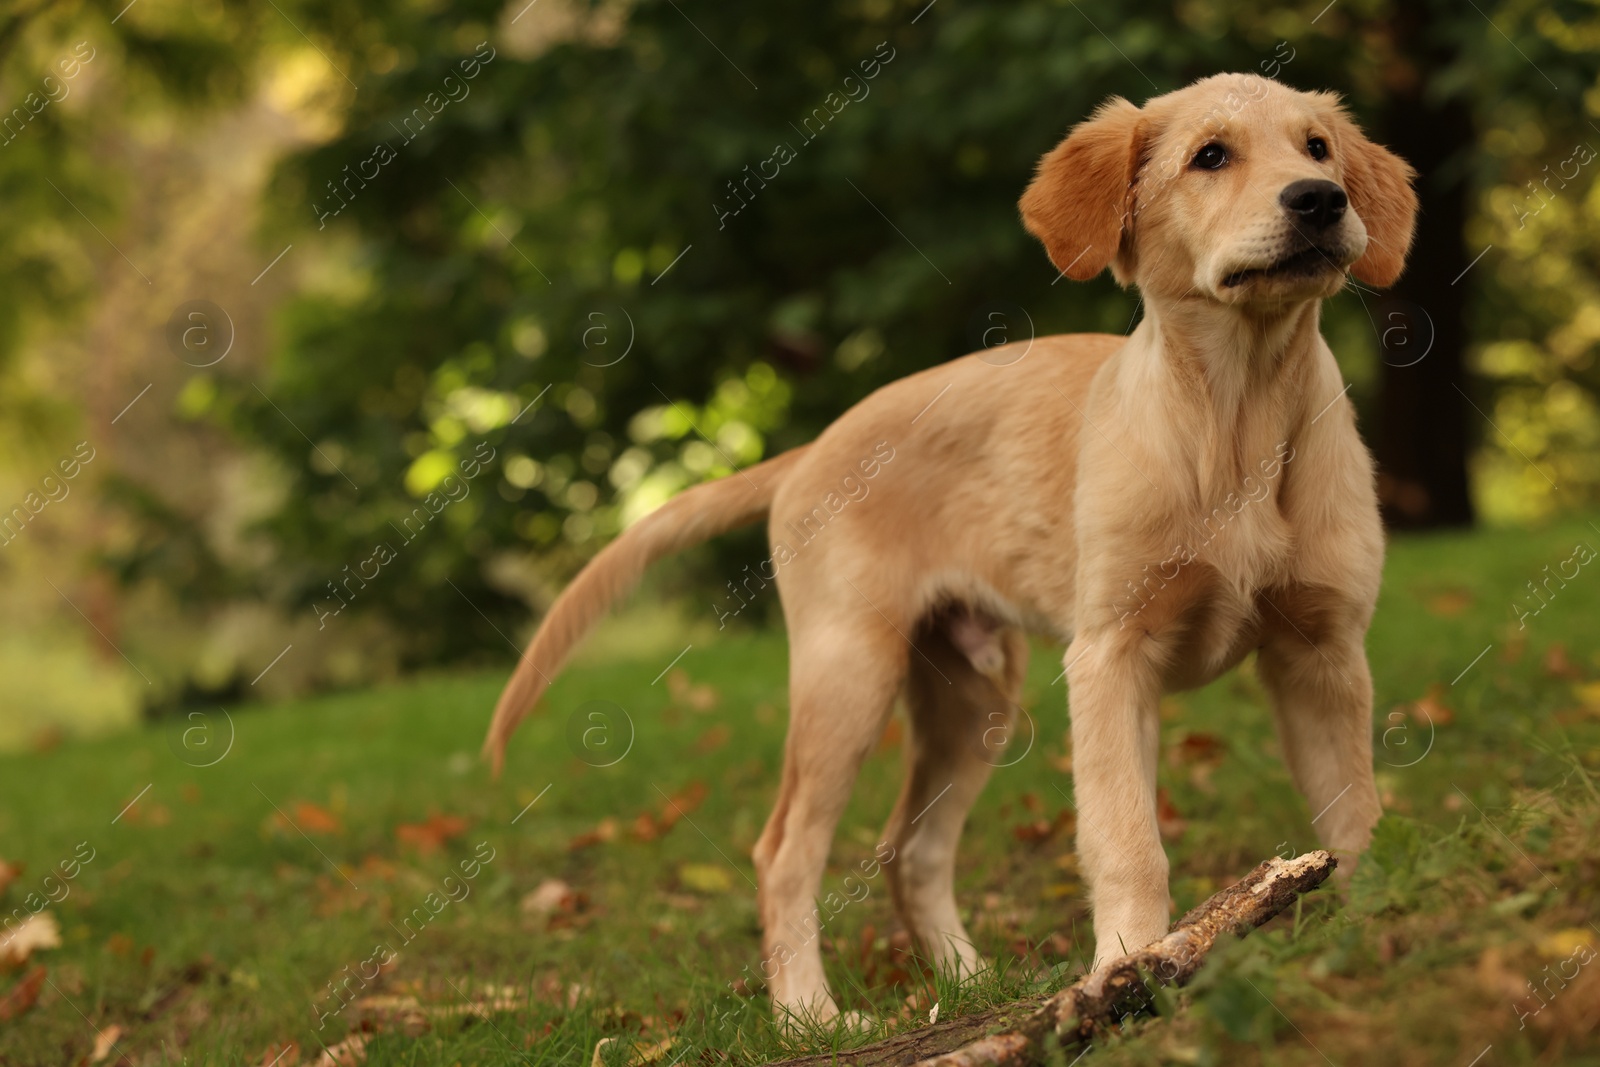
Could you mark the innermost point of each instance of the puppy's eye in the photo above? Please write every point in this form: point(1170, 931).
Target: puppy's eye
point(1318, 148)
point(1211, 157)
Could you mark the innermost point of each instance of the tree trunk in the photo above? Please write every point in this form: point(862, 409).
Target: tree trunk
point(1422, 439)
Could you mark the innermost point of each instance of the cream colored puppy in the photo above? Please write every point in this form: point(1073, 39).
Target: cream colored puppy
point(1167, 502)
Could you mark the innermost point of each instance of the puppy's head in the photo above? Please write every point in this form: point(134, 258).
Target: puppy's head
point(1236, 189)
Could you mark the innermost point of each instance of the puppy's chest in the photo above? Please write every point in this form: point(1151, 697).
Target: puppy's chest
point(1243, 538)
point(1231, 553)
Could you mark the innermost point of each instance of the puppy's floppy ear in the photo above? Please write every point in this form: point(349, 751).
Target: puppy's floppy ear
point(1078, 201)
point(1378, 183)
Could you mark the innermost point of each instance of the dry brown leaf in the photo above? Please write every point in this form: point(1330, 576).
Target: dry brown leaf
point(605, 832)
point(284, 1055)
point(1515, 646)
point(351, 1052)
point(713, 739)
point(551, 895)
point(682, 803)
point(104, 1041)
point(1168, 821)
point(308, 818)
point(1200, 748)
point(1557, 664)
point(37, 931)
point(22, 996)
point(700, 698)
point(893, 732)
point(430, 836)
point(1042, 830)
point(1432, 707)
point(640, 1053)
point(1450, 603)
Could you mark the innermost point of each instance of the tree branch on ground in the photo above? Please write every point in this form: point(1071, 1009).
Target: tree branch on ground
point(1015, 1034)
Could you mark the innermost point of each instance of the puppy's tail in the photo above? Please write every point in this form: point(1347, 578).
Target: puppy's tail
point(688, 519)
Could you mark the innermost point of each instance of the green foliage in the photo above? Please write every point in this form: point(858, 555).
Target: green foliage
point(575, 206)
point(1235, 989)
point(595, 183)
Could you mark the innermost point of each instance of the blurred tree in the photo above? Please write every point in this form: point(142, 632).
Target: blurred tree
point(626, 245)
point(705, 190)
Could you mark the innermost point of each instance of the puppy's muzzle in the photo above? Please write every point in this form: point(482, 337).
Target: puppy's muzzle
point(1314, 204)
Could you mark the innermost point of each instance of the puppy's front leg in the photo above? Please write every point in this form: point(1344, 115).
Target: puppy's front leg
point(1113, 693)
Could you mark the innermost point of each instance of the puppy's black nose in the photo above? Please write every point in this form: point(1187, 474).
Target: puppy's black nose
point(1314, 201)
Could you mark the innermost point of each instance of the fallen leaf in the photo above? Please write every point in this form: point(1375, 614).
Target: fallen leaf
point(1564, 943)
point(1168, 821)
point(311, 819)
point(104, 1041)
point(683, 802)
point(1031, 801)
point(9, 872)
point(37, 931)
point(1201, 748)
point(23, 995)
point(1450, 603)
point(892, 734)
point(705, 877)
point(713, 739)
point(1558, 665)
point(384, 1011)
point(284, 1055)
point(605, 832)
point(351, 1052)
point(1041, 830)
point(1432, 707)
point(698, 697)
point(430, 836)
point(1496, 979)
point(551, 895)
point(375, 868)
point(640, 1053)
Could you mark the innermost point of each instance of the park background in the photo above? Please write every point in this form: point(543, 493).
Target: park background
point(272, 273)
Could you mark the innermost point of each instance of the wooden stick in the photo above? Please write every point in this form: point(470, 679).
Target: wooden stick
point(1016, 1034)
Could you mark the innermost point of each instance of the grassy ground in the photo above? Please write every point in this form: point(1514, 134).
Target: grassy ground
point(281, 895)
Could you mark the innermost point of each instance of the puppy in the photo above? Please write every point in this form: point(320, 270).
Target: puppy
point(1167, 502)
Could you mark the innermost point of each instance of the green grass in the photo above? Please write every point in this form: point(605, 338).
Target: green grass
point(207, 929)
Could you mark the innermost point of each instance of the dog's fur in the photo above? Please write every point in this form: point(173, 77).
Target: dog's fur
point(1048, 493)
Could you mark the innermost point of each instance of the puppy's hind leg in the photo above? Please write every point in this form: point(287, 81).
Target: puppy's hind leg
point(962, 727)
point(844, 672)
